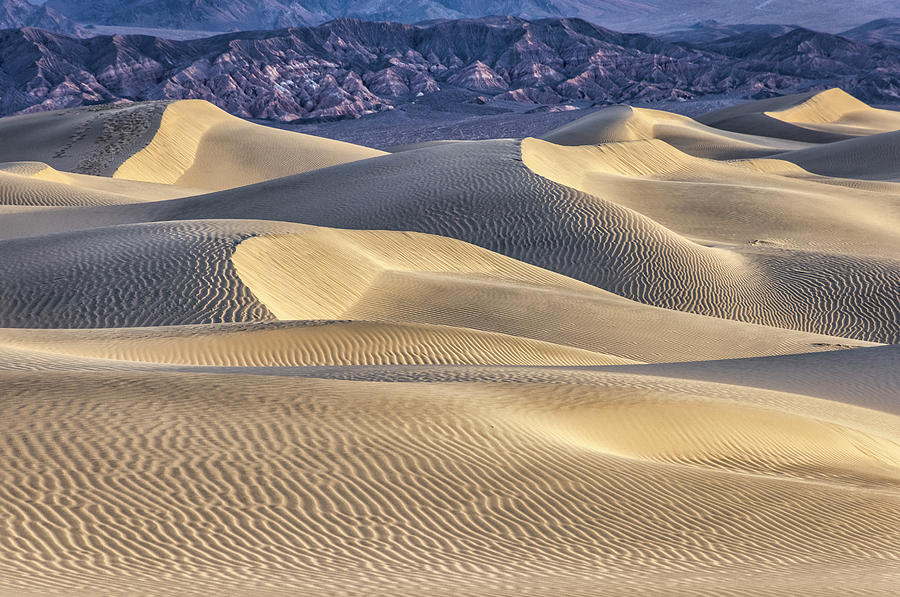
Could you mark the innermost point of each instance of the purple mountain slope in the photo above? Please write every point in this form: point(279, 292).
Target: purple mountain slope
point(21, 13)
point(880, 31)
point(347, 68)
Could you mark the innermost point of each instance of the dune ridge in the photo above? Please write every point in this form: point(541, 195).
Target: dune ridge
point(484, 194)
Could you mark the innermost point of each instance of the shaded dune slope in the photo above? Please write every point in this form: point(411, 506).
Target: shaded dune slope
point(865, 377)
point(88, 140)
point(876, 157)
point(158, 274)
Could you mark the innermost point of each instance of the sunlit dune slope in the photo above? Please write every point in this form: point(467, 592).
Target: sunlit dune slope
point(815, 117)
point(35, 184)
point(307, 343)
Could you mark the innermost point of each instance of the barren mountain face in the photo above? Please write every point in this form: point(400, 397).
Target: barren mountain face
point(349, 68)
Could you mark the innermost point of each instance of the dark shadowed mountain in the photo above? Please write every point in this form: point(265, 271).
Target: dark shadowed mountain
point(347, 68)
point(624, 15)
point(880, 31)
point(709, 31)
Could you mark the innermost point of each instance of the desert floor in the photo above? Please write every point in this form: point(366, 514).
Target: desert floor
point(642, 355)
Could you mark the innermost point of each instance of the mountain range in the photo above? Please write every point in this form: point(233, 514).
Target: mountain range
point(625, 15)
point(348, 68)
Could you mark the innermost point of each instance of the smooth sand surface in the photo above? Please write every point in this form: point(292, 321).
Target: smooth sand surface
point(641, 356)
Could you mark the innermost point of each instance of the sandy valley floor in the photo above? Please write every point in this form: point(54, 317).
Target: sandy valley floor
point(643, 355)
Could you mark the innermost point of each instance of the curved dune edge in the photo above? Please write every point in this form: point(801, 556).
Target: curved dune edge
point(304, 344)
point(208, 271)
point(324, 272)
point(298, 478)
point(199, 145)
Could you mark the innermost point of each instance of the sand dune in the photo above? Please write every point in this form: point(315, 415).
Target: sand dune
point(36, 184)
point(482, 193)
point(814, 117)
point(264, 485)
point(199, 145)
point(735, 202)
point(87, 140)
point(499, 203)
point(244, 271)
point(189, 143)
point(624, 123)
point(864, 377)
point(872, 158)
point(307, 343)
point(642, 356)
